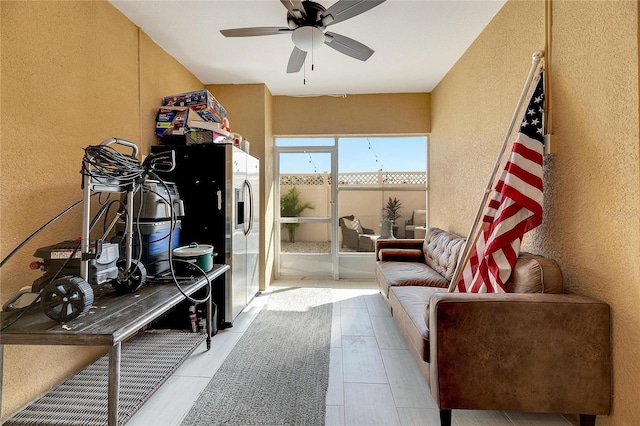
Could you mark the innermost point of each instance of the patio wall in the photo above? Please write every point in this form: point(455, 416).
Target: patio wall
point(361, 199)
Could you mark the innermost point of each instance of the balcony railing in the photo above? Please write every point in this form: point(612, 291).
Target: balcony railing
point(376, 179)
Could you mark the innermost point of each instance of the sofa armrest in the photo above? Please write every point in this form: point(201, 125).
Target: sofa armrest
point(368, 231)
point(400, 255)
point(398, 244)
point(520, 352)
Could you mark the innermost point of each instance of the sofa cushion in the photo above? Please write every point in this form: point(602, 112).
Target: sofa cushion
point(442, 250)
point(535, 274)
point(531, 274)
point(392, 273)
point(407, 305)
point(400, 254)
point(353, 224)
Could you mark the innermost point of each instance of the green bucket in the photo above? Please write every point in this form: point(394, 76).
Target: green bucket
point(194, 254)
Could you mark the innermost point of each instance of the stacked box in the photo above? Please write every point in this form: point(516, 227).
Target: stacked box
point(173, 121)
point(208, 114)
point(202, 101)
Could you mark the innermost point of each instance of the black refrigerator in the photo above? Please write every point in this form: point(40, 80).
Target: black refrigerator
point(219, 186)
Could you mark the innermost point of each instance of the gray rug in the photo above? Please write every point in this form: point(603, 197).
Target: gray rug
point(147, 360)
point(278, 372)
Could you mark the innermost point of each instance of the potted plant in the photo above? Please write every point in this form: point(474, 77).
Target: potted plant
point(390, 214)
point(290, 206)
point(391, 210)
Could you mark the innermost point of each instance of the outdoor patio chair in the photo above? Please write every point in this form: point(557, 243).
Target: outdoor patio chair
point(418, 219)
point(351, 231)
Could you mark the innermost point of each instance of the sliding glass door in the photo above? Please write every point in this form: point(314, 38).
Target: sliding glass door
point(381, 182)
point(334, 198)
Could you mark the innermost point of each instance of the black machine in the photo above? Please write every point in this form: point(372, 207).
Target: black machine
point(218, 184)
point(149, 230)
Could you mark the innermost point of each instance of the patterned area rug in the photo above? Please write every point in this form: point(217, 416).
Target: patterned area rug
point(278, 372)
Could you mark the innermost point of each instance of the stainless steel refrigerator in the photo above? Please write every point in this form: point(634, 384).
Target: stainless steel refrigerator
point(244, 239)
point(219, 185)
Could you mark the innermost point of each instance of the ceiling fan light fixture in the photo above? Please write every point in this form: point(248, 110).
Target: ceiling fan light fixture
point(307, 38)
point(307, 21)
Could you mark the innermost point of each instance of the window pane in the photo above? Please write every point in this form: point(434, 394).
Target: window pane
point(308, 238)
point(371, 171)
point(307, 163)
point(366, 208)
point(305, 185)
point(387, 154)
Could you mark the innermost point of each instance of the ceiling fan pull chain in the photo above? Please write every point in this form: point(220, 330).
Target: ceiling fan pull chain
point(312, 61)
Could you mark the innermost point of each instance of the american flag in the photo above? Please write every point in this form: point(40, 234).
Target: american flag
point(514, 209)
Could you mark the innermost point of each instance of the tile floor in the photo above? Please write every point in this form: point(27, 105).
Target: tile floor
point(373, 378)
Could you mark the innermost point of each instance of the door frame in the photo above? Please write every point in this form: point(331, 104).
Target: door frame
point(332, 150)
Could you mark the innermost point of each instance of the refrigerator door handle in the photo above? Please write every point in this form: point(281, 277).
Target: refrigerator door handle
point(249, 223)
point(219, 194)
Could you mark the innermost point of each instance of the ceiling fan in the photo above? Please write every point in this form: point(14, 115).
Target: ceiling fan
point(307, 21)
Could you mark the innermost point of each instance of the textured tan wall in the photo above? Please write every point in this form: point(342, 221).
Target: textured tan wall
point(268, 201)
point(594, 204)
point(471, 110)
point(250, 111)
point(70, 78)
point(160, 76)
point(377, 114)
point(592, 196)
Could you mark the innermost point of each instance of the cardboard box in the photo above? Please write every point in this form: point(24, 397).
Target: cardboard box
point(207, 104)
point(193, 137)
point(172, 120)
point(207, 114)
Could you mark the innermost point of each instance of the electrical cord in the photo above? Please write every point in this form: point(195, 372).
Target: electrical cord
point(111, 163)
point(58, 272)
point(30, 237)
point(108, 165)
point(106, 216)
point(173, 221)
point(171, 258)
point(37, 299)
point(104, 164)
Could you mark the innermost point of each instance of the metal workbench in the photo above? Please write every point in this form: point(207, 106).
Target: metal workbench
point(112, 319)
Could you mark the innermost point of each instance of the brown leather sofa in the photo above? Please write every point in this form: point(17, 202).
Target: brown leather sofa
point(533, 349)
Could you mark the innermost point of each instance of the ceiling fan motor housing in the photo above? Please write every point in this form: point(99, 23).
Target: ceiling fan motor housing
point(311, 16)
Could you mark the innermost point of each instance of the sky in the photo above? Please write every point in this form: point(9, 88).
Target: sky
point(358, 154)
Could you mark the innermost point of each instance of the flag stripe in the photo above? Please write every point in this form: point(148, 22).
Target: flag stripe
point(528, 150)
point(514, 209)
point(516, 171)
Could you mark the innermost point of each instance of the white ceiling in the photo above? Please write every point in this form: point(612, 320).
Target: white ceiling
point(416, 42)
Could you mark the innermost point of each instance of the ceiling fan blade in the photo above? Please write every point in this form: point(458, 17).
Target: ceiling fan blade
point(296, 60)
point(256, 31)
point(345, 9)
point(348, 46)
point(295, 8)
